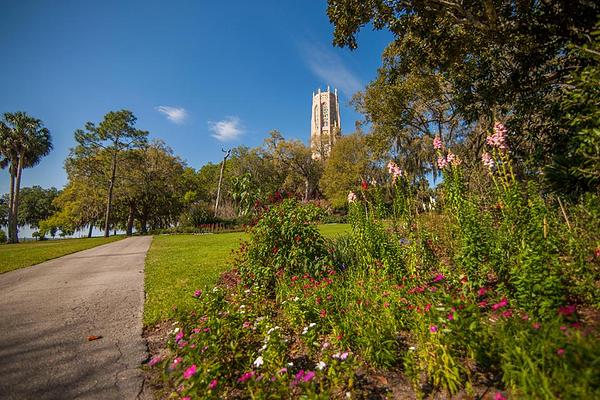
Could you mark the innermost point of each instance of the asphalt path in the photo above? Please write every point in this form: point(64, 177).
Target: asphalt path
point(50, 311)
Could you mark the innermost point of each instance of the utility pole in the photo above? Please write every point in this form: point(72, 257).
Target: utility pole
point(227, 153)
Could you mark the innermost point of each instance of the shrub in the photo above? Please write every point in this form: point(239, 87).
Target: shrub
point(284, 241)
point(2, 237)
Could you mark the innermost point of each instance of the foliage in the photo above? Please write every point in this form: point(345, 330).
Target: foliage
point(107, 140)
point(348, 164)
point(482, 59)
point(489, 292)
point(36, 204)
point(23, 142)
point(284, 241)
point(577, 170)
point(3, 237)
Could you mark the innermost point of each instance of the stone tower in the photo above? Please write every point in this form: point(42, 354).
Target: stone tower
point(325, 125)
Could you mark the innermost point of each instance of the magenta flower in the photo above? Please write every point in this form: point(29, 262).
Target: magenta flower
point(437, 143)
point(482, 291)
point(560, 352)
point(308, 376)
point(213, 384)
point(502, 303)
point(188, 373)
point(179, 336)
point(499, 396)
point(198, 293)
point(246, 376)
point(451, 316)
point(567, 310)
point(507, 314)
point(433, 329)
point(154, 361)
point(438, 277)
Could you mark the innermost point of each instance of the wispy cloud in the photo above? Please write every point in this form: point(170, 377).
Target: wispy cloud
point(174, 114)
point(330, 68)
point(226, 130)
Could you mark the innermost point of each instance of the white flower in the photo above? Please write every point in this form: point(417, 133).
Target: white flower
point(258, 362)
point(296, 298)
point(262, 349)
point(273, 330)
point(312, 324)
point(290, 364)
point(247, 291)
point(321, 365)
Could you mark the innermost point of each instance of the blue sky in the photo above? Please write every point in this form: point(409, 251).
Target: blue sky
point(201, 75)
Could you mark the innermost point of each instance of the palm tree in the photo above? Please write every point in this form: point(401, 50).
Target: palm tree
point(23, 142)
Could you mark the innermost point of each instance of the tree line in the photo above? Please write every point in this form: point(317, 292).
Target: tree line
point(119, 179)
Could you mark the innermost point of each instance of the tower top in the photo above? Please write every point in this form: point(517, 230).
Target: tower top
point(325, 122)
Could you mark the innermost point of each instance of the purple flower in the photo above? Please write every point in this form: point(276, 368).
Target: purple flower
point(438, 277)
point(433, 329)
point(179, 336)
point(213, 384)
point(198, 293)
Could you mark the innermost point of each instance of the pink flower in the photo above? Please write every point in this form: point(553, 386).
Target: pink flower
point(351, 197)
point(502, 303)
point(437, 143)
point(438, 277)
point(498, 139)
point(186, 398)
point(154, 361)
point(213, 384)
point(560, 352)
point(507, 314)
point(179, 336)
point(283, 370)
point(481, 292)
point(188, 373)
point(483, 304)
point(536, 325)
point(441, 162)
point(499, 396)
point(487, 160)
point(451, 316)
point(176, 362)
point(433, 329)
point(198, 293)
point(246, 376)
point(394, 170)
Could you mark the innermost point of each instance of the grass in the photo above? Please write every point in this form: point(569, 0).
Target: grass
point(15, 256)
point(177, 265)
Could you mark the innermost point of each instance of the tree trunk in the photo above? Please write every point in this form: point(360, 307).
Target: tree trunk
point(15, 203)
point(90, 229)
point(130, 222)
point(11, 199)
point(111, 185)
point(143, 226)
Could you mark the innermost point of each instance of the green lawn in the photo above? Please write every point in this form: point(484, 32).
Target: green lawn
point(15, 256)
point(177, 265)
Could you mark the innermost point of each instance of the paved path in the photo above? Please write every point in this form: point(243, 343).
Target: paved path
point(48, 311)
